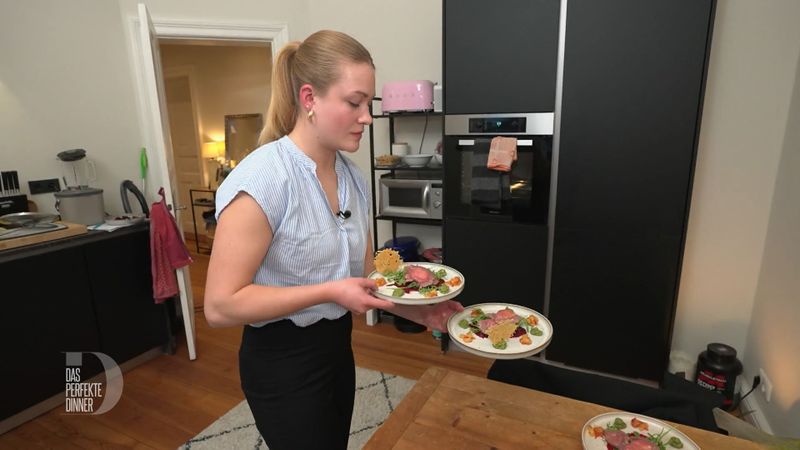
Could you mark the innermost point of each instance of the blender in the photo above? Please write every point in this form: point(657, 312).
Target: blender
point(78, 202)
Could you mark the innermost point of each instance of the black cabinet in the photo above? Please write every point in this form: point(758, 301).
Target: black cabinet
point(91, 293)
point(500, 56)
point(47, 310)
point(128, 321)
point(634, 76)
point(501, 261)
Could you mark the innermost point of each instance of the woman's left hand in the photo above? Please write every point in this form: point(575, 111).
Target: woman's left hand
point(436, 316)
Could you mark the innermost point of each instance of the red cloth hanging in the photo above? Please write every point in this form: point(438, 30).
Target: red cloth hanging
point(167, 250)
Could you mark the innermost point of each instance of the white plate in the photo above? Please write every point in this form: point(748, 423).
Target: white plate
point(415, 298)
point(514, 350)
point(655, 426)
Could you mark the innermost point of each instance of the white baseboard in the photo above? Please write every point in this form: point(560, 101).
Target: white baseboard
point(751, 409)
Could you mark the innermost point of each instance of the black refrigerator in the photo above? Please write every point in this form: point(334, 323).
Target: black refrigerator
point(627, 86)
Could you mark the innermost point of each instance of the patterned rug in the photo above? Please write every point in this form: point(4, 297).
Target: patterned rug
point(377, 394)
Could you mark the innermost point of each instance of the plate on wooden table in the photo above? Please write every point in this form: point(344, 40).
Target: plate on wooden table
point(500, 330)
point(446, 283)
point(607, 430)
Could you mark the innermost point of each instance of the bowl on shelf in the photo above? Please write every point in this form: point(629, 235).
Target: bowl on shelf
point(417, 160)
point(387, 160)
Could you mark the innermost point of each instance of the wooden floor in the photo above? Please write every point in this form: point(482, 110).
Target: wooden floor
point(170, 399)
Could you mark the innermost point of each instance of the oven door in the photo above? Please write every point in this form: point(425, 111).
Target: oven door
point(405, 198)
point(474, 192)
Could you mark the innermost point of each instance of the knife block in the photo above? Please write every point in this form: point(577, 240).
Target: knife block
point(13, 204)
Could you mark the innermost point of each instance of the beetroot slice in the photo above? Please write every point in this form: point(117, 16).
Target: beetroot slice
point(518, 332)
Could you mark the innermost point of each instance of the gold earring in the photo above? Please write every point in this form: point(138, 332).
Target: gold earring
point(310, 114)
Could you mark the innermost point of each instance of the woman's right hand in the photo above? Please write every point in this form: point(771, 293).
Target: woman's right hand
point(355, 295)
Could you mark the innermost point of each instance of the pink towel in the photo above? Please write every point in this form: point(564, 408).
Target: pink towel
point(502, 154)
point(167, 250)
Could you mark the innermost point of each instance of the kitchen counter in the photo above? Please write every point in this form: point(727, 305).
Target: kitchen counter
point(47, 246)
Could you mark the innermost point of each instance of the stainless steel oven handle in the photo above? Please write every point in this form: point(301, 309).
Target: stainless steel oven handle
point(426, 193)
point(471, 142)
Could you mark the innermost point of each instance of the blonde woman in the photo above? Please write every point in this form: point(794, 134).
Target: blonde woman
point(286, 264)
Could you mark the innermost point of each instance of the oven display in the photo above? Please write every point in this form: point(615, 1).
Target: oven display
point(497, 125)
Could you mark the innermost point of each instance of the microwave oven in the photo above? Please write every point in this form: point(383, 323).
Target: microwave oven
point(411, 197)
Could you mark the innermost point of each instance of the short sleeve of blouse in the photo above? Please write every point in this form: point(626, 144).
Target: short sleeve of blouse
point(263, 176)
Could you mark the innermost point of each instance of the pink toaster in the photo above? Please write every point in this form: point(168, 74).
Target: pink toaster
point(414, 95)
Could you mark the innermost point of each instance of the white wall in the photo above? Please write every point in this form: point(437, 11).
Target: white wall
point(65, 83)
point(750, 79)
point(773, 342)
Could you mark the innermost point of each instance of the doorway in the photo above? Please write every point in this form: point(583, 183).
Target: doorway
point(207, 83)
point(144, 37)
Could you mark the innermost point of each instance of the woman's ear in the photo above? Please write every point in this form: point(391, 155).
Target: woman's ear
point(306, 97)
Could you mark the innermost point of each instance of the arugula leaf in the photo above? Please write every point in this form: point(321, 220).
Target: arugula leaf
point(397, 277)
point(463, 323)
point(444, 289)
point(440, 274)
point(536, 332)
point(398, 292)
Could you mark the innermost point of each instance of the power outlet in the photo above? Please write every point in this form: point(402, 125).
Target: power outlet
point(766, 385)
point(44, 186)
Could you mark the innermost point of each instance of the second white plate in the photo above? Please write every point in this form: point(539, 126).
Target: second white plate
point(514, 349)
point(655, 427)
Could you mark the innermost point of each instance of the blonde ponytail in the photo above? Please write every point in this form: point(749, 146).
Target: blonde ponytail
point(315, 61)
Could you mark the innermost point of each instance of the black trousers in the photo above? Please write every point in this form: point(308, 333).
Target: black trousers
point(300, 382)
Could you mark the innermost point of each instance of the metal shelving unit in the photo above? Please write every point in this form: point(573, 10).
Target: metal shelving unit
point(375, 169)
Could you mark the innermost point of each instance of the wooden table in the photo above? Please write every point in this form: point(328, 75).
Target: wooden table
point(451, 410)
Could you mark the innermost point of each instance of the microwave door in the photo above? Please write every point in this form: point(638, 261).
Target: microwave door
point(405, 198)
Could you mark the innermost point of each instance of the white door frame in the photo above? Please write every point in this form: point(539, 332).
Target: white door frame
point(275, 34)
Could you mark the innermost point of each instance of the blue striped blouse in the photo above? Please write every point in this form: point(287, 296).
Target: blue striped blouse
point(310, 244)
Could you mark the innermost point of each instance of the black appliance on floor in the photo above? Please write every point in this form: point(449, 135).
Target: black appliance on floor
point(626, 92)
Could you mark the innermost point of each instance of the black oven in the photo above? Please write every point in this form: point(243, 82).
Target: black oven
point(495, 223)
point(474, 192)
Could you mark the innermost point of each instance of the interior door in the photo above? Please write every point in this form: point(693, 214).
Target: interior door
point(185, 142)
point(161, 149)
